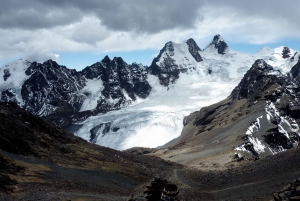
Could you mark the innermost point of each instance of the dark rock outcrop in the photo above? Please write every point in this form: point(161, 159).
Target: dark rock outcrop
point(286, 53)
point(256, 80)
point(194, 49)
point(167, 70)
point(219, 44)
point(9, 95)
point(6, 74)
point(52, 88)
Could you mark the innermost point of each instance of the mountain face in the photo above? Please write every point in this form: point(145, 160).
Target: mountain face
point(174, 59)
point(258, 119)
point(51, 88)
point(120, 106)
point(63, 95)
point(280, 93)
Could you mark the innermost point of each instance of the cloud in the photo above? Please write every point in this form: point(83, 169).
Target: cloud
point(89, 31)
point(51, 26)
point(34, 14)
point(150, 16)
point(41, 56)
point(137, 15)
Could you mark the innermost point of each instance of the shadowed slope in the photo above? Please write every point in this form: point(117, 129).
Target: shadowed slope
point(40, 161)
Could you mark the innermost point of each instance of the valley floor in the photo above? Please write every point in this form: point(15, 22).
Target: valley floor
point(245, 180)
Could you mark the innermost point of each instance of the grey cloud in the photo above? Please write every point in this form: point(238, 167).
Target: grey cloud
point(149, 16)
point(133, 15)
point(33, 14)
point(269, 9)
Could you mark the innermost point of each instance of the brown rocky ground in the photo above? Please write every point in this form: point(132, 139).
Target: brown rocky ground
point(42, 162)
point(244, 180)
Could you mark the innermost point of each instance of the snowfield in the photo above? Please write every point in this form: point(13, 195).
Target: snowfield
point(159, 118)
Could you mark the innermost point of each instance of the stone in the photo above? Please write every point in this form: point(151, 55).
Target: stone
point(287, 187)
point(276, 196)
point(295, 198)
point(282, 196)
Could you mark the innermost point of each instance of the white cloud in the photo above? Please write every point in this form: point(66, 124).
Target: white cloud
point(41, 56)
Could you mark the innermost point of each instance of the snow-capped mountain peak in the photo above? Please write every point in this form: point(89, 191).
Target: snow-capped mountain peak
point(217, 45)
point(176, 58)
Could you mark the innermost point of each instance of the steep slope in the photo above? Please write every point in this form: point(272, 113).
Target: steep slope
point(40, 161)
point(259, 118)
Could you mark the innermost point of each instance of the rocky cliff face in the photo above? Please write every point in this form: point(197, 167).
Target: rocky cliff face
point(122, 83)
point(164, 65)
point(64, 96)
point(280, 94)
point(51, 88)
point(174, 59)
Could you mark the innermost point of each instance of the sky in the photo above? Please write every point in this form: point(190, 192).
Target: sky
point(78, 33)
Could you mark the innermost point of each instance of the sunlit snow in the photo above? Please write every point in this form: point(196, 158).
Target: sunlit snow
point(159, 118)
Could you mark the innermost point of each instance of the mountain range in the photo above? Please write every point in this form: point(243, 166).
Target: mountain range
point(230, 118)
point(118, 105)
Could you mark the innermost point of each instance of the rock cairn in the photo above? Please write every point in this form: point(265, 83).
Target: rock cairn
point(170, 193)
point(154, 190)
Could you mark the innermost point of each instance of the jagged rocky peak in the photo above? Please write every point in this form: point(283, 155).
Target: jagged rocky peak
point(218, 45)
point(175, 58)
point(51, 88)
point(286, 52)
point(106, 59)
point(255, 80)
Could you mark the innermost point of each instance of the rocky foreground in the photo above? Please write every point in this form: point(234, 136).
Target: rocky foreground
point(42, 162)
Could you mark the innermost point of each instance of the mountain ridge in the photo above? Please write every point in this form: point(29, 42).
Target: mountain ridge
point(110, 91)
